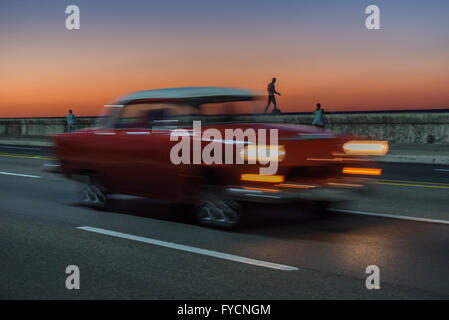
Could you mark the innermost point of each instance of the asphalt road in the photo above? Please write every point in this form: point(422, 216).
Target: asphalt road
point(144, 249)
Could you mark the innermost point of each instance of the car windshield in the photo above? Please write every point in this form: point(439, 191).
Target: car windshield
point(107, 115)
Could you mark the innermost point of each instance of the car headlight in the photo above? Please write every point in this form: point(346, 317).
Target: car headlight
point(263, 153)
point(366, 148)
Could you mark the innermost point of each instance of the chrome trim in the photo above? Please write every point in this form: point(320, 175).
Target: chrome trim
point(313, 136)
point(103, 133)
point(137, 132)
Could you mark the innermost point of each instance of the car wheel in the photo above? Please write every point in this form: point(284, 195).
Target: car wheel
point(94, 195)
point(214, 208)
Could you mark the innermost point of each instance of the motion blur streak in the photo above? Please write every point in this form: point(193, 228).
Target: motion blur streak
point(259, 153)
point(366, 148)
point(261, 189)
point(298, 186)
point(261, 178)
point(344, 184)
point(408, 181)
point(9, 155)
point(413, 185)
point(363, 171)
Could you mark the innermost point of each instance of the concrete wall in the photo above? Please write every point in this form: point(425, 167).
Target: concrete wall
point(38, 126)
point(398, 128)
point(35, 131)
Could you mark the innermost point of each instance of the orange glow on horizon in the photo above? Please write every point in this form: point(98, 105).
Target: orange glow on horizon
point(47, 74)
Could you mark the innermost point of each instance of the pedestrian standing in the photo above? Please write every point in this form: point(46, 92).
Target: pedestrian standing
point(71, 119)
point(318, 116)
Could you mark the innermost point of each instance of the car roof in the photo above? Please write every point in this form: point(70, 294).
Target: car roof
point(200, 94)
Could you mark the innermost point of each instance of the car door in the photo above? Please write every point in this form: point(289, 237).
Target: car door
point(143, 152)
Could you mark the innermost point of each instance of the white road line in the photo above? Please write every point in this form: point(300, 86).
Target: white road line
point(19, 175)
point(392, 216)
point(181, 247)
point(443, 170)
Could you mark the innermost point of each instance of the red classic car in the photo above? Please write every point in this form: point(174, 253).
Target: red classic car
point(172, 144)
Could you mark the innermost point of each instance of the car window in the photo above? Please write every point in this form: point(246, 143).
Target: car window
point(131, 116)
point(140, 115)
point(146, 115)
point(184, 115)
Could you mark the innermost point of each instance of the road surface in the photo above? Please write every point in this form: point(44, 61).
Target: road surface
point(144, 249)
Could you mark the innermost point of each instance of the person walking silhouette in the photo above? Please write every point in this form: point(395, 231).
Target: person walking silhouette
point(271, 99)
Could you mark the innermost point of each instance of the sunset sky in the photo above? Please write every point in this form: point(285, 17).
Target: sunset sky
point(320, 50)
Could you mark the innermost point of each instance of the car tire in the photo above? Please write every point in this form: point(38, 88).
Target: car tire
point(93, 194)
point(215, 209)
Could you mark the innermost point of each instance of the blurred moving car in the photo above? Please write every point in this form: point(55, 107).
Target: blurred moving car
point(128, 152)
